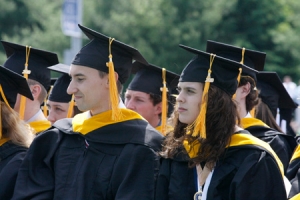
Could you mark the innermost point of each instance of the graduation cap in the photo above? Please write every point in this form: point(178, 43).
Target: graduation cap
point(272, 92)
point(108, 55)
point(95, 54)
point(62, 68)
point(59, 89)
point(14, 83)
point(148, 78)
point(155, 80)
point(209, 69)
point(224, 71)
point(37, 60)
point(250, 58)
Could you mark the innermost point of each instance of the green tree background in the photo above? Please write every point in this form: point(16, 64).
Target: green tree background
point(156, 27)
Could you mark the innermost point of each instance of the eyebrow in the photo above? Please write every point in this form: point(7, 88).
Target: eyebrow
point(75, 75)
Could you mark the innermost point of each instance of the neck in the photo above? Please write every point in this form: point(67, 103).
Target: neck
point(242, 109)
point(155, 121)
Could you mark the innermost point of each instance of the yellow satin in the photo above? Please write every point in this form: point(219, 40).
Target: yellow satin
point(246, 139)
point(296, 197)
point(3, 140)
point(296, 153)
point(84, 125)
point(239, 139)
point(250, 121)
point(40, 126)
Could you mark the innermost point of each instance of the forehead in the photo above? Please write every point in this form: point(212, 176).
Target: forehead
point(54, 103)
point(196, 85)
point(83, 70)
point(133, 93)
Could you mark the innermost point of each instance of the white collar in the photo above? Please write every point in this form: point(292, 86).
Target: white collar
point(37, 117)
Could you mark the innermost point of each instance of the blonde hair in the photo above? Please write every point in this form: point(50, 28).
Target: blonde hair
point(19, 132)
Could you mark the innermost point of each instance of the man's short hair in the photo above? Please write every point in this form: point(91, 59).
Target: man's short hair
point(119, 84)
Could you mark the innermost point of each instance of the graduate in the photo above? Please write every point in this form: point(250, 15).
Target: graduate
point(15, 134)
point(247, 98)
point(106, 152)
point(145, 94)
point(32, 64)
point(293, 173)
point(60, 104)
point(229, 163)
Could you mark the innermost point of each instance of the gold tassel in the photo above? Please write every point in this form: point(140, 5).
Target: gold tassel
point(199, 125)
point(6, 102)
point(164, 90)
point(71, 106)
point(25, 72)
point(113, 90)
point(240, 69)
point(45, 108)
point(238, 80)
point(243, 55)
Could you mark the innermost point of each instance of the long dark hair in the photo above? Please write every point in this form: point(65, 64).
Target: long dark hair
point(221, 118)
point(263, 113)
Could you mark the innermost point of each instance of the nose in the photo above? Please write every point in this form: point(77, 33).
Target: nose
point(179, 97)
point(71, 88)
point(51, 117)
point(129, 104)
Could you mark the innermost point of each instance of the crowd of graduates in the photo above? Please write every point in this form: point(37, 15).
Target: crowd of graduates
point(219, 130)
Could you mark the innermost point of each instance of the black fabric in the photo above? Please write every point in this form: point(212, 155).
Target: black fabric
point(59, 90)
point(273, 92)
point(282, 144)
point(117, 161)
point(223, 71)
point(293, 174)
point(12, 84)
point(253, 59)
point(242, 172)
point(246, 172)
point(148, 79)
point(11, 157)
point(95, 54)
point(176, 180)
point(38, 62)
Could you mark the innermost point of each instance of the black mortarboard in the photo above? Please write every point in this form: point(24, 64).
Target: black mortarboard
point(148, 78)
point(38, 62)
point(252, 59)
point(224, 71)
point(272, 92)
point(95, 54)
point(14, 83)
point(63, 68)
point(59, 90)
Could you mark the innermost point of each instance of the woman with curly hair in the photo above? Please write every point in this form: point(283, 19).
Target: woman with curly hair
point(208, 156)
point(15, 135)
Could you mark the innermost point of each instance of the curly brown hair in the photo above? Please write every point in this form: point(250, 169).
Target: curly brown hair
point(252, 98)
point(221, 118)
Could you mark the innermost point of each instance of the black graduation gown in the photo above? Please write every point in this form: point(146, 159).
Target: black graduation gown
point(281, 143)
point(176, 180)
point(293, 173)
point(11, 157)
point(115, 161)
point(246, 172)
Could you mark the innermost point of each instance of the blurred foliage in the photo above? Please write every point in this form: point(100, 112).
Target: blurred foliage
point(156, 27)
